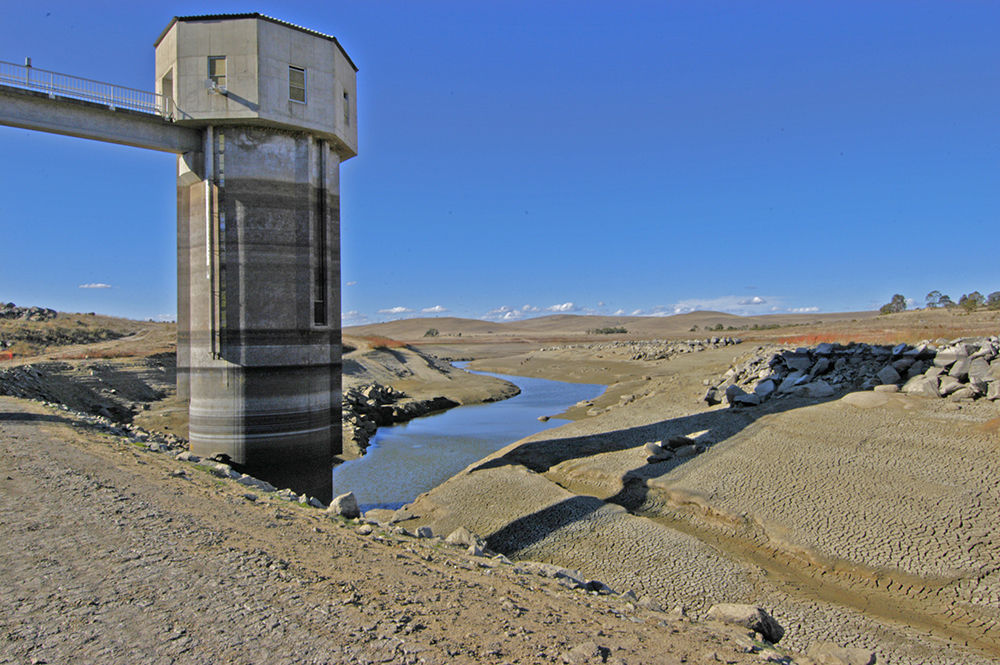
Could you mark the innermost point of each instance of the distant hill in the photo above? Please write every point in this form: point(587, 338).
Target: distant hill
point(560, 325)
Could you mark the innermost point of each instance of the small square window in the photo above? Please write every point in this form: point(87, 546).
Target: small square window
point(297, 84)
point(217, 70)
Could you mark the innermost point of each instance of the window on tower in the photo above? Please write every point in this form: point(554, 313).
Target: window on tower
point(217, 70)
point(297, 84)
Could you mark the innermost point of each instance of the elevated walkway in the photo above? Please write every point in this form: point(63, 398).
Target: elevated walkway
point(45, 101)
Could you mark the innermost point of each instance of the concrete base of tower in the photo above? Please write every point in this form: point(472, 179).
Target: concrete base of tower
point(279, 424)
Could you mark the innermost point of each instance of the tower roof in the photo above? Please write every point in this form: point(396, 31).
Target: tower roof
point(262, 17)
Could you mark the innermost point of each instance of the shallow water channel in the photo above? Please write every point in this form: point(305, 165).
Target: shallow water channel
point(408, 459)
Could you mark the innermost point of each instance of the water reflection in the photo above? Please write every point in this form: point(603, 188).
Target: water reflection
point(408, 459)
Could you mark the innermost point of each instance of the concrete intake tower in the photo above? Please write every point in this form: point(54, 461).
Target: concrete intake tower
point(260, 114)
point(258, 240)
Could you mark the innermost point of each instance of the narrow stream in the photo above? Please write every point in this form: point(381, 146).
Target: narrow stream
point(408, 459)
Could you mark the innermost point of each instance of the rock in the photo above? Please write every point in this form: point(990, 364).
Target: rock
point(815, 389)
point(225, 471)
point(798, 362)
point(543, 419)
point(945, 358)
point(828, 653)
point(677, 614)
point(888, 374)
point(688, 451)
point(648, 603)
point(250, 481)
point(948, 384)
point(588, 652)
point(993, 392)
point(792, 380)
point(465, 538)
point(654, 448)
point(899, 349)
point(345, 505)
point(315, 503)
point(657, 453)
point(903, 364)
point(765, 388)
point(676, 442)
point(425, 532)
point(822, 366)
point(979, 369)
point(712, 397)
point(963, 393)
point(732, 392)
point(890, 388)
point(824, 349)
point(750, 617)
point(922, 386)
point(960, 370)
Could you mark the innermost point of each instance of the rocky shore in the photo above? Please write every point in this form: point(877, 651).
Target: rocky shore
point(960, 369)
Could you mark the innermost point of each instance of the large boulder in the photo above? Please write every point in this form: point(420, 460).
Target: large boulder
point(792, 380)
point(345, 505)
point(922, 386)
point(979, 369)
point(815, 389)
point(750, 617)
point(888, 374)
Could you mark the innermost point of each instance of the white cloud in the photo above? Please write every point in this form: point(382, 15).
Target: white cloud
point(354, 316)
point(166, 318)
point(437, 309)
point(803, 310)
point(738, 305)
point(350, 284)
point(565, 307)
point(504, 313)
point(396, 310)
point(95, 286)
point(620, 312)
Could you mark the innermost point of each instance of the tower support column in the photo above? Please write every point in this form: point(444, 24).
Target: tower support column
point(258, 303)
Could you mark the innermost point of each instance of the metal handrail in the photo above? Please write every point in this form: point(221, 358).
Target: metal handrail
point(113, 96)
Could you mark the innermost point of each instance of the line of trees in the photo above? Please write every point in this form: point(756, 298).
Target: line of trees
point(970, 302)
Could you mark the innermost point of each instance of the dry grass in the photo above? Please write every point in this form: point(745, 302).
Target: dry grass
point(377, 342)
point(883, 338)
point(104, 354)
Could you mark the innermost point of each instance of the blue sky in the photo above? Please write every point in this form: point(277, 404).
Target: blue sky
point(523, 158)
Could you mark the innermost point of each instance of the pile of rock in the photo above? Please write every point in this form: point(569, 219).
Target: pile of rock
point(961, 369)
point(663, 350)
point(366, 408)
point(11, 311)
point(653, 349)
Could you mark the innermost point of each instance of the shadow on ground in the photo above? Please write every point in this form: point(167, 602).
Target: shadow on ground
point(712, 427)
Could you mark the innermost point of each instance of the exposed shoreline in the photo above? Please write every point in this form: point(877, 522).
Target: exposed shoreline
point(839, 598)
